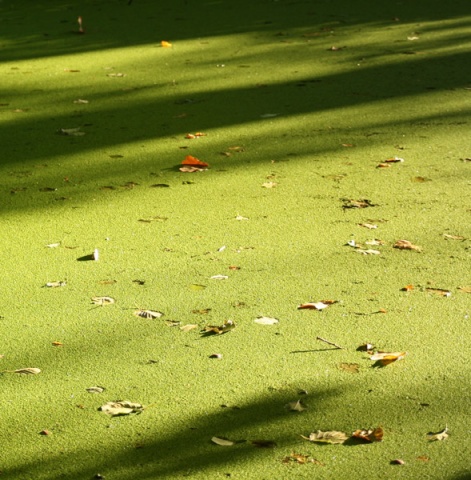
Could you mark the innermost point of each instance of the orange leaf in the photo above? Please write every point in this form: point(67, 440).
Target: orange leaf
point(165, 44)
point(194, 162)
point(407, 288)
point(370, 435)
point(57, 344)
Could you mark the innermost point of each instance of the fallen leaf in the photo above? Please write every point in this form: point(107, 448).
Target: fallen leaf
point(81, 100)
point(433, 437)
point(192, 136)
point(121, 407)
point(95, 389)
point(173, 323)
point(233, 267)
point(465, 289)
point(269, 185)
point(107, 282)
point(219, 277)
point(362, 203)
point(196, 287)
point(222, 442)
point(217, 356)
point(439, 291)
point(53, 245)
point(368, 225)
point(139, 282)
point(375, 241)
point(190, 169)
point(165, 44)
point(155, 218)
point(102, 300)
point(350, 367)
point(368, 251)
point(453, 237)
point(263, 443)
point(194, 162)
point(296, 406)
point(266, 320)
point(227, 326)
point(202, 311)
point(423, 458)
point(240, 217)
point(73, 132)
point(26, 371)
point(269, 115)
point(55, 284)
point(394, 160)
point(316, 305)
point(45, 432)
point(327, 437)
point(397, 461)
point(406, 245)
point(57, 344)
point(188, 327)
point(115, 74)
point(149, 314)
point(421, 179)
point(385, 358)
point(369, 435)
point(160, 185)
point(407, 288)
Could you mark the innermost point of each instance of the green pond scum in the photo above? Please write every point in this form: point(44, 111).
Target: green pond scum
point(307, 153)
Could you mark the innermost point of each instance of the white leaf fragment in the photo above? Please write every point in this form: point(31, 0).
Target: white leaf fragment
point(55, 284)
point(121, 407)
point(219, 277)
point(223, 442)
point(74, 132)
point(443, 435)
point(266, 320)
point(149, 314)
point(102, 300)
point(53, 245)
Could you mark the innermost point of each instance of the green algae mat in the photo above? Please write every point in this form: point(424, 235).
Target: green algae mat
point(235, 239)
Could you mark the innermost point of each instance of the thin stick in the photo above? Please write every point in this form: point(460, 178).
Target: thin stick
point(330, 343)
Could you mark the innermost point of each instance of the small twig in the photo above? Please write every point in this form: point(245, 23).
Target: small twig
point(330, 343)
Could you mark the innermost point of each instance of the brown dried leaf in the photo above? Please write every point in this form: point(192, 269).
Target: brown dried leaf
point(465, 289)
point(406, 245)
point(350, 367)
point(369, 435)
point(453, 237)
point(316, 305)
point(26, 371)
point(327, 437)
point(227, 326)
point(362, 203)
point(439, 291)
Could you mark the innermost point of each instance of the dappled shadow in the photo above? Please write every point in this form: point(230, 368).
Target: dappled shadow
point(125, 112)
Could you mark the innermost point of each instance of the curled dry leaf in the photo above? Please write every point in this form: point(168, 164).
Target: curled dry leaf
point(26, 371)
point(362, 203)
point(296, 406)
point(316, 305)
point(368, 225)
point(121, 407)
point(222, 442)
point(301, 459)
point(368, 251)
point(165, 44)
point(439, 291)
point(73, 132)
point(102, 300)
point(406, 245)
point(96, 389)
point(327, 437)
point(188, 327)
point(442, 435)
point(407, 288)
point(45, 432)
point(55, 284)
point(266, 320)
point(57, 344)
point(227, 326)
point(369, 435)
point(217, 356)
point(385, 358)
point(466, 289)
point(193, 163)
point(269, 184)
point(453, 237)
point(53, 245)
point(149, 314)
